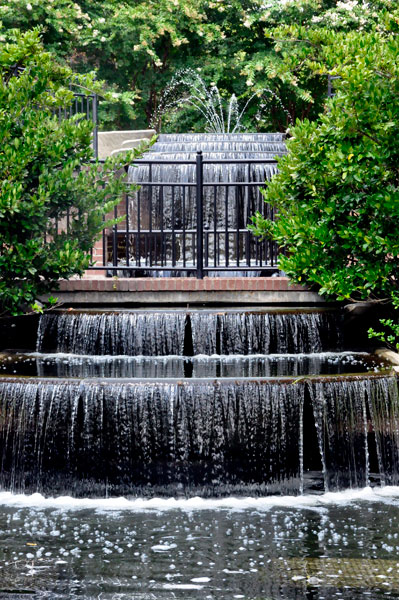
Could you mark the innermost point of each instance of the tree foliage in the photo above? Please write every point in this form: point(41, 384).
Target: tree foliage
point(42, 183)
point(243, 46)
point(337, 193)
point(132, 45)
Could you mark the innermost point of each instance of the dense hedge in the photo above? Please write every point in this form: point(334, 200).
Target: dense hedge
point(337, 193)
point(41, 177)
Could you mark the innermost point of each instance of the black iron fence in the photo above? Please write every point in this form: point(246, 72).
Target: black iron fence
point(194, 227)
point(86, 104)
point(330, 85)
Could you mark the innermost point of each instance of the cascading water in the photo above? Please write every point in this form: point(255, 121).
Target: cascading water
point(171, 149)
point(150, 438)
point(171, 206)
point(344, 415)
point(195, 402)
point(160, 333)
point(141, 333)
point(269, 150)
point(264, 333)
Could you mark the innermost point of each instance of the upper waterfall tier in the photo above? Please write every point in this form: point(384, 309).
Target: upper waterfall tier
point(183, 147)
point(239, 137)
point(216, 154)
point(161, 333)
point(220, 146)
point(213, 173)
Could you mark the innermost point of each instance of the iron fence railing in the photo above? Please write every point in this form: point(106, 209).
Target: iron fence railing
point(330, 85)
point(194, 227)
point(86, 104)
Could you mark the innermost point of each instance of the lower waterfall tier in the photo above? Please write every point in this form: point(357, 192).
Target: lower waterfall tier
point(187, 438)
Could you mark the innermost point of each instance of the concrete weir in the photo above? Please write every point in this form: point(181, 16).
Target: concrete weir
point(110, 291)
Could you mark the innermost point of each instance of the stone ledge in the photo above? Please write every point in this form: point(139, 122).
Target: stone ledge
point(174, 284)
point(226, 290)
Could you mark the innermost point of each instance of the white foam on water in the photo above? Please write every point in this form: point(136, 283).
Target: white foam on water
point(389, 494)
point(163, 547)
point(138, 357)
point(182, 586)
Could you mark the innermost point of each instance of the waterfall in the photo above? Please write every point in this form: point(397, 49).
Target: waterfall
point(383, 405)
point(341, 410)
point(230, 146)
point(264, 333)
point(195, 437)
point(182, 438)
point(138, 333)
point(175, 204)
point(166, 333)
point(194, 402)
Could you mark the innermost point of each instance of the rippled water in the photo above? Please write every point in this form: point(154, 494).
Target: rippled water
point(321, 547)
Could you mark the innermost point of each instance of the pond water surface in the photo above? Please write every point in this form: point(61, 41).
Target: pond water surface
point(330, 546)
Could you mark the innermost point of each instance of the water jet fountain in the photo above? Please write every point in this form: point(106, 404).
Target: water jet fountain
point(220, 115)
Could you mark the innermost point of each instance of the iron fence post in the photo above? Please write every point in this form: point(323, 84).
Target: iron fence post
point(95, 129)
point(200, 214)
point(115, 240)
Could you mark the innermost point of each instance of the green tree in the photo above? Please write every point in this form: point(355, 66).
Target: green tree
point(337, 193)
point(246, 47)
point(293, 39)
point(51, 208)
point(134, 45)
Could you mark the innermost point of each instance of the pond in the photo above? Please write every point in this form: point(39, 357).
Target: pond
point(330, 546)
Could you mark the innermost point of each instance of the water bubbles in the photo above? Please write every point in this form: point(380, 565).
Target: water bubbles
point(55, 532)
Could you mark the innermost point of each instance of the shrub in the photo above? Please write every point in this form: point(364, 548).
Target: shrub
point(42, 183)
point(337, 192)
